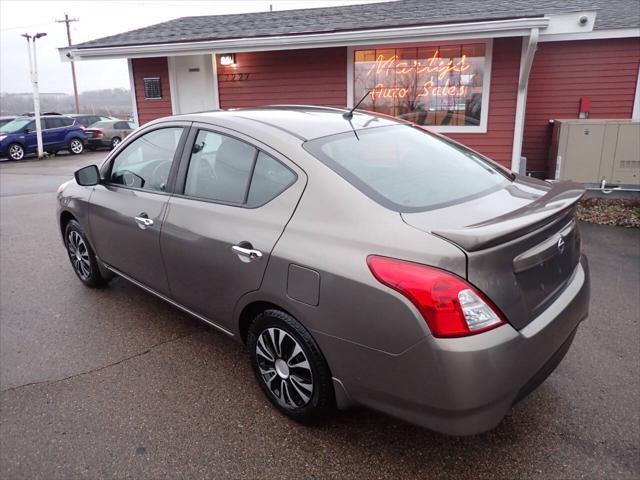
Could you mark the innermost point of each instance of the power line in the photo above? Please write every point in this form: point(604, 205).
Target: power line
point(26, 26)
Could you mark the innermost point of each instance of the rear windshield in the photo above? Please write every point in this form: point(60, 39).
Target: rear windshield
point(408, 169)
point(105, 124)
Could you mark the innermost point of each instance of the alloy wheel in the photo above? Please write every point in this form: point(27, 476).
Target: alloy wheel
point(79, 254)
point(76, 146)
point(284, 367)
point(115, 142)
point(16, 152)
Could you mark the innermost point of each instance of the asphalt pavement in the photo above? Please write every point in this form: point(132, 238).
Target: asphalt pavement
point(114, 383)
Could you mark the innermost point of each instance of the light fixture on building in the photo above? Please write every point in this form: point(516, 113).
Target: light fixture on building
point(227, 59)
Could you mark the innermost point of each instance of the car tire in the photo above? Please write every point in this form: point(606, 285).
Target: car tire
point(76, 147)
point(289, 366)
point(115, 141)
point(15, 151)
point(83, 260)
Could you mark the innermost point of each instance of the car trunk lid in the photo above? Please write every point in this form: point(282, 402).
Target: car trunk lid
point(522, 243)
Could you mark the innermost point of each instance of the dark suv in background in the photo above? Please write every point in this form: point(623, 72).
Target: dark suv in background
point(59, 132)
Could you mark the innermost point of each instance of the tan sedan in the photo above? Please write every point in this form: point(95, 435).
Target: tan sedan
point(108, 133)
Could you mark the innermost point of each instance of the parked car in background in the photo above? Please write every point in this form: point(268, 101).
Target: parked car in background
point(59, 132)
point(108, 133)
point(7, 119)
point(360, 258)
point(86, 120)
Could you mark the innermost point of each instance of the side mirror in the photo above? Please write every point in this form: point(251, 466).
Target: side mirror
point(26, 131)
point(87, 176)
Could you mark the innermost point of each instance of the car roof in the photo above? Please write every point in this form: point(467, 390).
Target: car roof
point(304, 122)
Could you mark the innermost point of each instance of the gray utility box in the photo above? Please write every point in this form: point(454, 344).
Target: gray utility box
point(590, 151)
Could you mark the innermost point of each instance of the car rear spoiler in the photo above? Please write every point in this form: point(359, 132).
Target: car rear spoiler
point(558, 203)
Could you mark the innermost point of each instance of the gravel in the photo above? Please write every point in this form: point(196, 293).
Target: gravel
point(605, 211)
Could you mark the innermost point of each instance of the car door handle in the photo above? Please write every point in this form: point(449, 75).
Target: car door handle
point(143, 221)
point(246, 253)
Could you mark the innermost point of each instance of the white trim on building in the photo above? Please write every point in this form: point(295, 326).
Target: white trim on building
point(132, 86)
point(636, 99)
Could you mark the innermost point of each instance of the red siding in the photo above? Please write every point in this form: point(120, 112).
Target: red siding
point(312, 77)
point(150, 109)
point(497, 143)
point(562, 73)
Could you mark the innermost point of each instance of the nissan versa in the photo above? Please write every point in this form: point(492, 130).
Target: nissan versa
point(361, 259)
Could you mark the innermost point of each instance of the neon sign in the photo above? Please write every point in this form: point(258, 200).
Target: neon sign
point(435, 64)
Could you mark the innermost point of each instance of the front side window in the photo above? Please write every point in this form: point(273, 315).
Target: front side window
point(408, 169)
point(440, 85)
point(146, 162)
point(224, 169)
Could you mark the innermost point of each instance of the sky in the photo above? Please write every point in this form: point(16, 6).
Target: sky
point(99, 18)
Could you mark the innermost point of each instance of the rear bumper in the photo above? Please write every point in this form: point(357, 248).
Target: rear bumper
point(98, 142)
point(464, 386)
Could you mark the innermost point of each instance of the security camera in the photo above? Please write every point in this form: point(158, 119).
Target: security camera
point(583, 20)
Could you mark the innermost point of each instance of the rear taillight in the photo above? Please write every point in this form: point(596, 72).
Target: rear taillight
point(450, 306)
point(97, 133)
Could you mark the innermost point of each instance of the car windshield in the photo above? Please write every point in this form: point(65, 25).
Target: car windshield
point(408, 169)
point(15, 125)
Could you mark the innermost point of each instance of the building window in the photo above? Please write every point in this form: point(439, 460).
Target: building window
point(152, 88)
point(441, 86)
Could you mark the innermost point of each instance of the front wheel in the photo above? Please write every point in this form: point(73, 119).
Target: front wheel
point(82, 258)
point(15, 151)
point(289, 366)
point(76, 146)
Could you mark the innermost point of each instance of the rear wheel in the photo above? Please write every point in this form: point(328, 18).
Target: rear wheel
point(15, 151)
point(82, 258)
point(289, 366)
point(76, 146)
point(115, 141)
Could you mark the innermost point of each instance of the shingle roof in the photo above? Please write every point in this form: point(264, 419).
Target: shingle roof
point(610, 14)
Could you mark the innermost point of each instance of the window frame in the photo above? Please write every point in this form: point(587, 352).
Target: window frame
point(185, 161)
point(486, 80)
point(107, 166)
point(144, 87)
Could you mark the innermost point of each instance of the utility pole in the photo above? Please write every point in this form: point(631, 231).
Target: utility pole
point(68, 20)
point(33, 70)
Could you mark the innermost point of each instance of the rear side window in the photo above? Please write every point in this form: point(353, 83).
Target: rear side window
point(121, 126)
point(408, 169)
point(146, 162)
point(270, 178)
point(225, 169)
point(58, 122)
point(53, 122)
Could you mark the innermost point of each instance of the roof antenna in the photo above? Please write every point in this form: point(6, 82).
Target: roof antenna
point(349, 115)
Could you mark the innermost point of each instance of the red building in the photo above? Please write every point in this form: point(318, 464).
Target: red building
point(489, 74)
